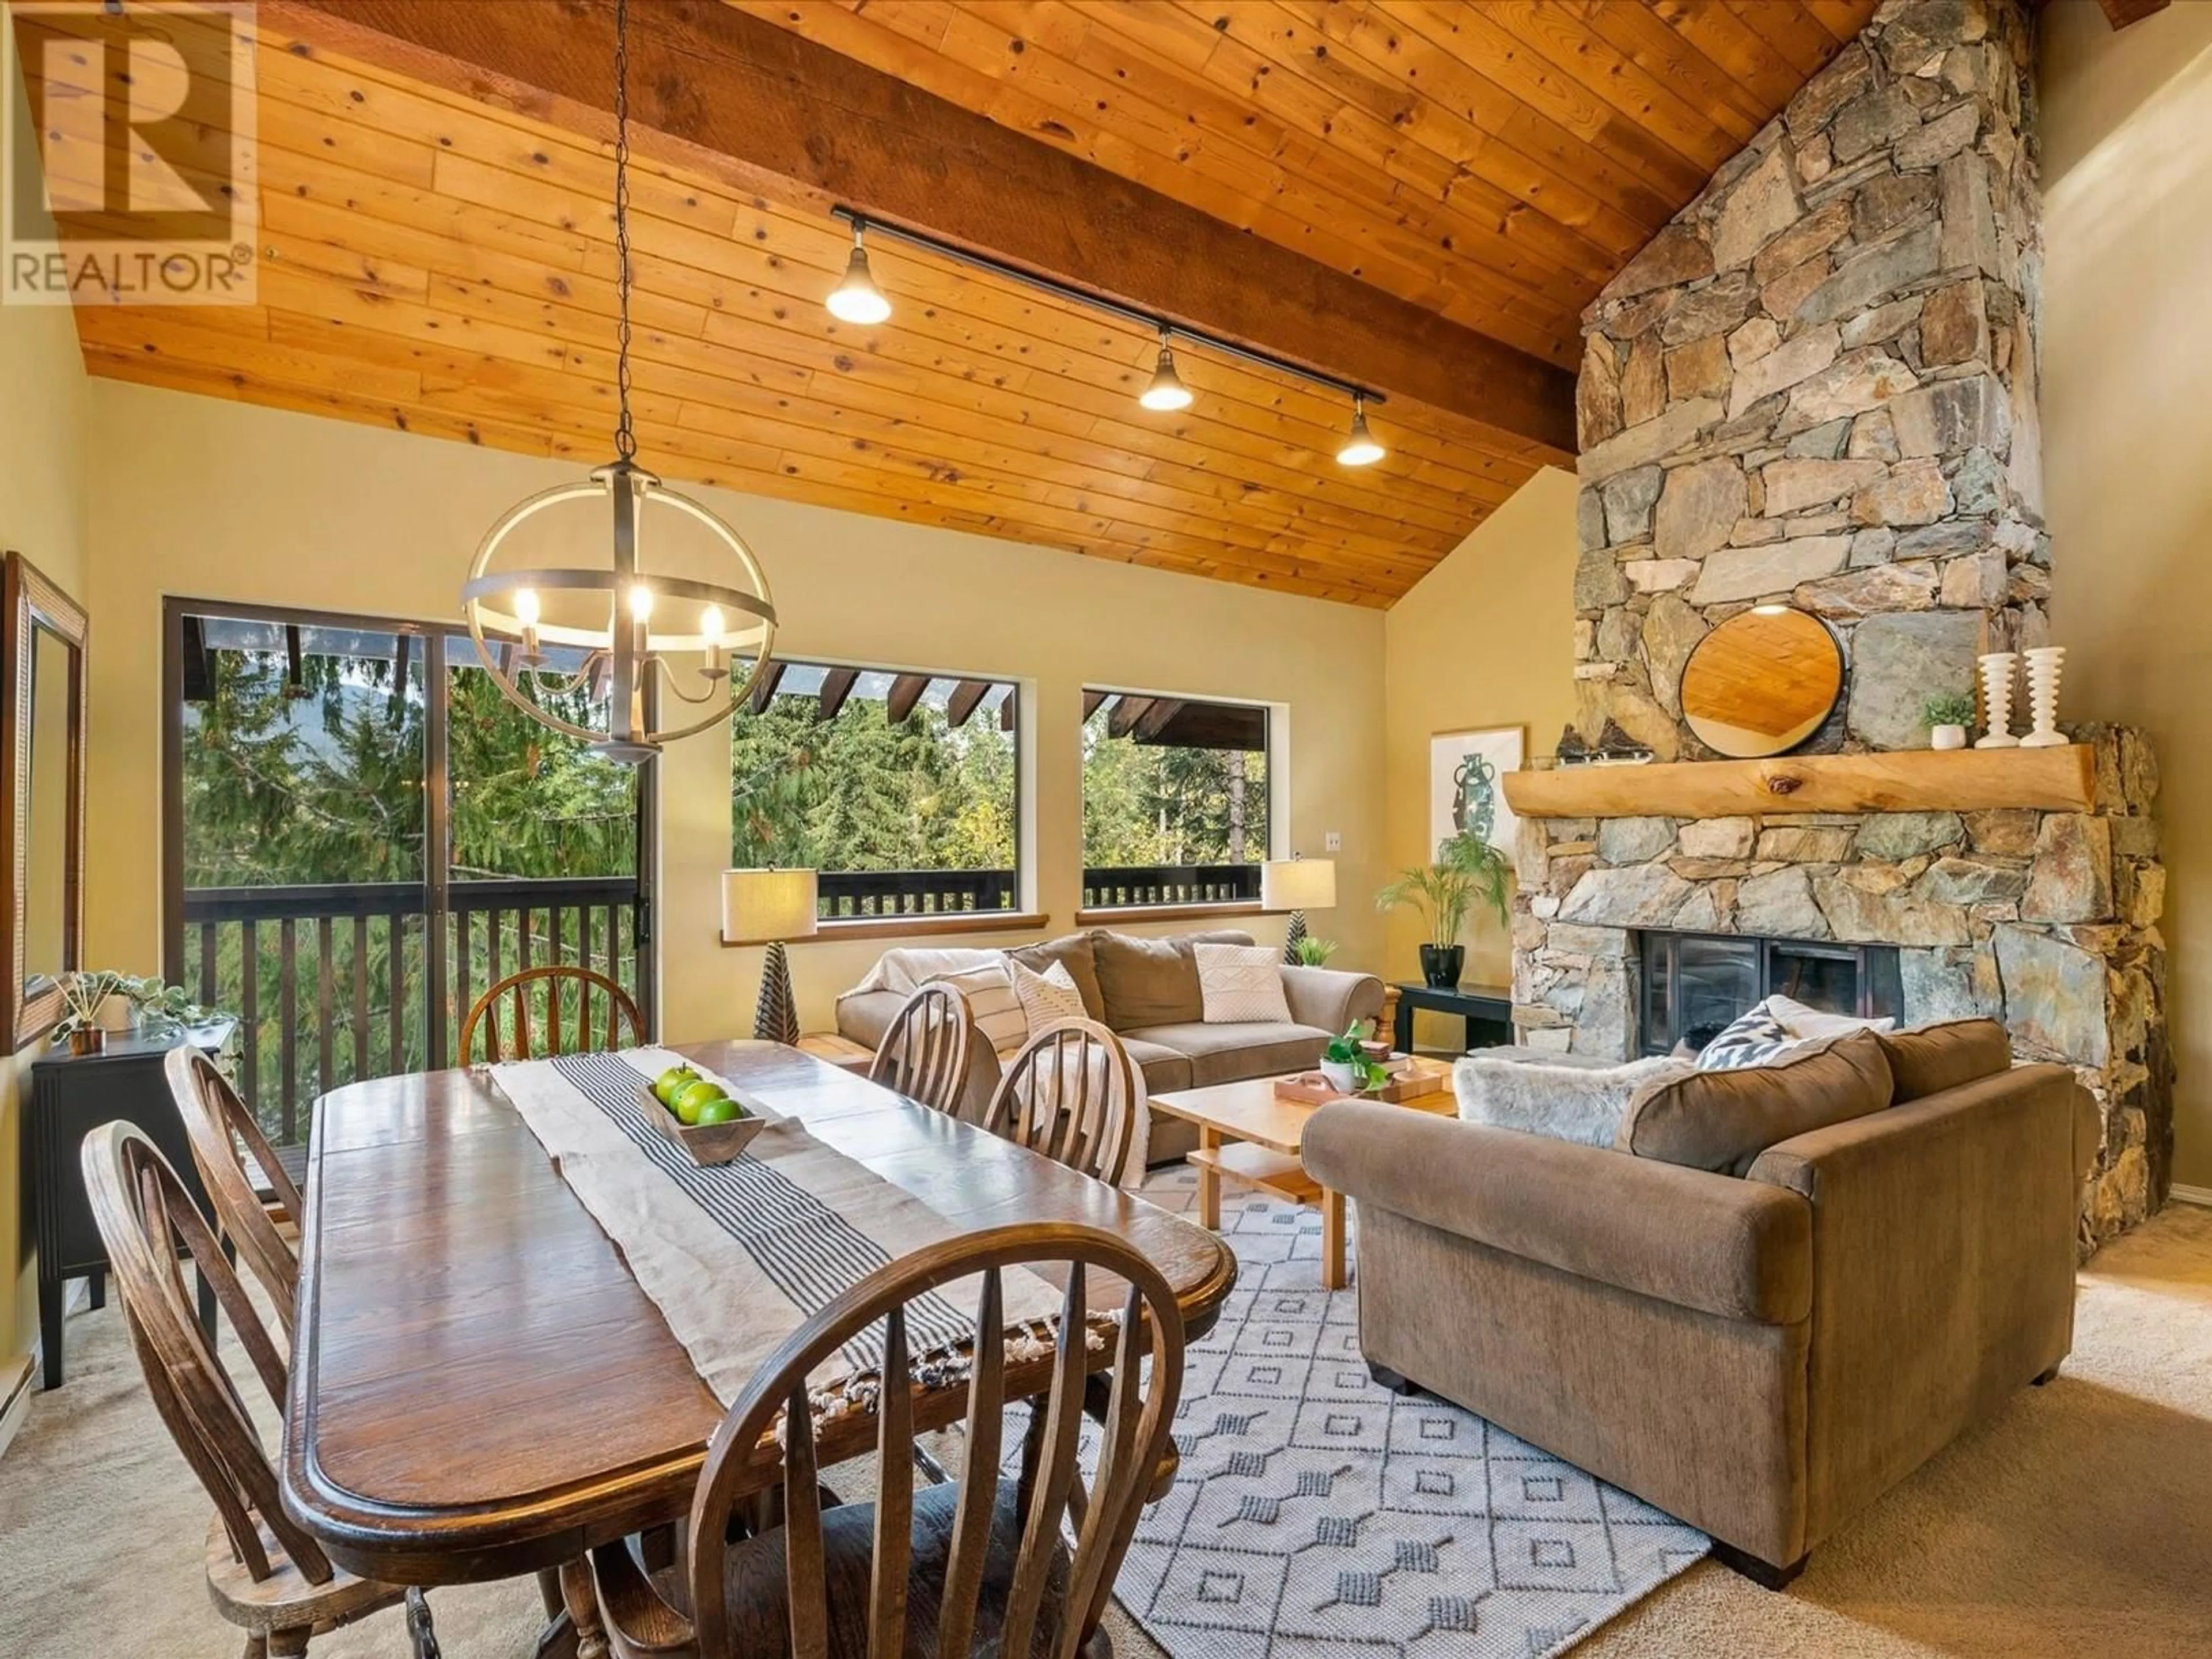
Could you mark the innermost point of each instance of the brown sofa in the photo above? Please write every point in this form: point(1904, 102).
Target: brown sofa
point(1764, 1353)
point(1145, 990)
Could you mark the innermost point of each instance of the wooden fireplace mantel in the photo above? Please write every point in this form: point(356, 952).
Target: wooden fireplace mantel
point(2062, 780)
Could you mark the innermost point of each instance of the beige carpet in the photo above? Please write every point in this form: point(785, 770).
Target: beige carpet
point(2078, 1522)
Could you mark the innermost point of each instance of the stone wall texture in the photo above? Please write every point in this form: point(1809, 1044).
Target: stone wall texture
point(1817, 387)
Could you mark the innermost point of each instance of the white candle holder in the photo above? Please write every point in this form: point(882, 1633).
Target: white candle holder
point(2045, 666)
point(1996, 701)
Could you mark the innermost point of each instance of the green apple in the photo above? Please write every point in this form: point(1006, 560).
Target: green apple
point(724, 1110)
point(665, 1085)
point(692, 1098)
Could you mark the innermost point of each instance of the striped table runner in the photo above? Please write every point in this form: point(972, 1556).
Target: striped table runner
point(738, 1256)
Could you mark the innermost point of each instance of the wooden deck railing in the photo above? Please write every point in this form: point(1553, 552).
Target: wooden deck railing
point(852, 893)
point(332, 984)
point(1171, 884)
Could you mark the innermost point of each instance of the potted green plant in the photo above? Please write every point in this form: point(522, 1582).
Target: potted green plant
point(1315, 953)
point(95, 999)
point(1947, 714)
point(1467, 872)
point(1347, 1065)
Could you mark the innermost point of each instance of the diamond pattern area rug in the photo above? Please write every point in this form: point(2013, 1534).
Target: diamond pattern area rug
point(1318, 1514)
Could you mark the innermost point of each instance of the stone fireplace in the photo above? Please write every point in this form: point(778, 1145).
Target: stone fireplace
point(1816, 387)
point(1691, 985)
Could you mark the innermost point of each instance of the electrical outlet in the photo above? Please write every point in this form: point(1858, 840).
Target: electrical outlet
point(1332, 842)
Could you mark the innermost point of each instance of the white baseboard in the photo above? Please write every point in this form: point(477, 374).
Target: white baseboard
point(2182, 1194)
point(15, 1406)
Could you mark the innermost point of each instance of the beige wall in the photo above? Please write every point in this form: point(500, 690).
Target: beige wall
point(213, 499)
point(1485, 639)
point(42, 397)
point(2127, 441)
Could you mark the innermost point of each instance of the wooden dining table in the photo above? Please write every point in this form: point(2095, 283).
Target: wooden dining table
point(479, 1388)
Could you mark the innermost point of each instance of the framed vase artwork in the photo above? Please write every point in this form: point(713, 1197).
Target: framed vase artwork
point(1465, 794)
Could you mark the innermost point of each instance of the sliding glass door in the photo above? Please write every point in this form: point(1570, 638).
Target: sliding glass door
point(362, 835)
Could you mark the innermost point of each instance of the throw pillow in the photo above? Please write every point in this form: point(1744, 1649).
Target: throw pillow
point(1241, 985)
point(1049, 999)
point(1802, 1020)
point(1147, 981)
point(1754, 1037)
point(1723, 1120)
point(1077, 953)
point(989, 991)
point(1565, 1103)
point(1930, 1059)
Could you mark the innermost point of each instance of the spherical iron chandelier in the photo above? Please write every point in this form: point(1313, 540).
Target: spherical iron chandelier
point(617, 650)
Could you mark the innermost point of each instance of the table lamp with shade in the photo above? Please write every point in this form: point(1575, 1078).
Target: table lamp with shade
point(1297, 885)
point(770, 907)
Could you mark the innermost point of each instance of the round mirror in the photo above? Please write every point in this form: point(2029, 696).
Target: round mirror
point(1762, 682)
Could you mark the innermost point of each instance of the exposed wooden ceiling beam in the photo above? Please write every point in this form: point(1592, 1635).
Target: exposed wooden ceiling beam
point(764, 684)
point(836, 685)
point(2121, 13)
point(1091, 700)
point(1154, 720)
point(966, 698)
point(906, 691)
point(1127, 712)
point(779, 114)
point(1010, 710)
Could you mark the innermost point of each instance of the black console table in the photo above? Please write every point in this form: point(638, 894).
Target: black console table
point(1487, 1010)
point(72, 1094)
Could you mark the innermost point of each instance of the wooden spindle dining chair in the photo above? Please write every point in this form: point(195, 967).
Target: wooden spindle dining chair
point(1071, 1094)
point(265, 1573)
point(624, 1027)
point(977, 1564)
point(924, 1053)
point(224, 1138)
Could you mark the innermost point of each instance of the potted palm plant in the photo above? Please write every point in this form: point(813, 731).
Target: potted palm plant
point(1467, 872)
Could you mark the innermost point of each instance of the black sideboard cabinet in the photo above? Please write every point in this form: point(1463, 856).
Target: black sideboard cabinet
point(71, 1095)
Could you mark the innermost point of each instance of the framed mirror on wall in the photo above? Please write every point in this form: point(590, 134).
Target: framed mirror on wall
point(1763, 681)
point(42, 648)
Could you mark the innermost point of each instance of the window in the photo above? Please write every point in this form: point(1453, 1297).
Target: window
point(364, 834)
point(900, 788)
point(1175, 800)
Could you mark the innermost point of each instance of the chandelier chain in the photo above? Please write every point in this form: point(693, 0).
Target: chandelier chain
point(625, 435)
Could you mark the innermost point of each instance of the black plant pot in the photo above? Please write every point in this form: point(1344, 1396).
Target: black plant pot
point(1440, 965)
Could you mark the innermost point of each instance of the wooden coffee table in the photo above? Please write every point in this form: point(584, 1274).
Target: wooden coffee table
point(1247, 1133)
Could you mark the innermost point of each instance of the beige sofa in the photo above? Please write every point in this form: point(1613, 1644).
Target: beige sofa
point(1145, 990)
point(1761, 1354)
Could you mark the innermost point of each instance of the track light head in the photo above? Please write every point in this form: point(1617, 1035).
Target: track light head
point(856, 299)
point(1360, 447)
point(1166, 391)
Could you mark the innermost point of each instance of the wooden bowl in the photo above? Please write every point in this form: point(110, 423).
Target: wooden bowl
point(705, 1143)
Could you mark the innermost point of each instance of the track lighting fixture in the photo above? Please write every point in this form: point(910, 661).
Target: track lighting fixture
point(857, 299)
point(1166, 391)
point(1360, 448)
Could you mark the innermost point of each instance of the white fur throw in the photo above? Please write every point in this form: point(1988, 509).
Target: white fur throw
point(1566, 1102)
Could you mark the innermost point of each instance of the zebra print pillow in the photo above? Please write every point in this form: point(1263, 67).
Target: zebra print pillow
point(1753, 1038)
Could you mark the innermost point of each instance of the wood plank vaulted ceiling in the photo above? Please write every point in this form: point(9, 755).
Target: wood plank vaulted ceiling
point(439, 249)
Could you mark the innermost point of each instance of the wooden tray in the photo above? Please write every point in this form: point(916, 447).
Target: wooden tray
point(706, 1143)
point(1414, 1078)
